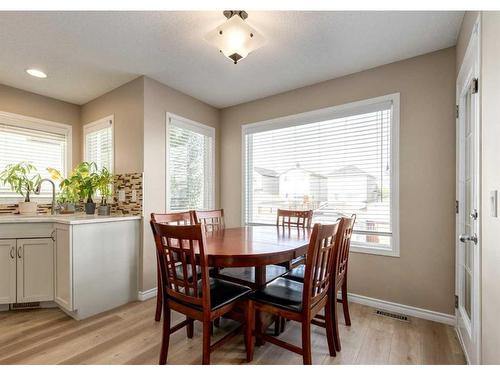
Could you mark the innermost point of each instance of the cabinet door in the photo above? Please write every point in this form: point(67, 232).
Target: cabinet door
point(7, 271)
point(63, 270)
point(35, 270)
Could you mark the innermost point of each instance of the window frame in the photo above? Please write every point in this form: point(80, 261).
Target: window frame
point(195, 127)
point(329, 113)
point(34, 123)
point(99, 125)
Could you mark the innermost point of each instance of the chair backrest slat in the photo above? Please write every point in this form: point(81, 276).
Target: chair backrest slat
point(212, 220)
point(320, 258)
point(291, 218)
point(174, 218)
point(177, 249)
point(346, 230)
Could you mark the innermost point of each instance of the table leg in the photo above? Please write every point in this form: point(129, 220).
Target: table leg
point(260, 280)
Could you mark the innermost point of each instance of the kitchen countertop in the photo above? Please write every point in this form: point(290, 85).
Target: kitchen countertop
point(79, 218)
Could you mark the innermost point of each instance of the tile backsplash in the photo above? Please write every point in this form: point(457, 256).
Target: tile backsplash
point(127, 186)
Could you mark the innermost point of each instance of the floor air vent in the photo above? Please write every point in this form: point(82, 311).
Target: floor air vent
point(401, 317)
point(24, 306)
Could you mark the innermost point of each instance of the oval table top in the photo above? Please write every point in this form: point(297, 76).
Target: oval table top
point(255, 245)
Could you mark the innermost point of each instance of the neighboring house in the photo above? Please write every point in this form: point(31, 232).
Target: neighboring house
point(266, 181)
point(298, 184)
point(351, 184)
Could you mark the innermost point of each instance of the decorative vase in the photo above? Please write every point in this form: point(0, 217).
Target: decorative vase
point(104, 210)
point(90, 208)
point(27, 208)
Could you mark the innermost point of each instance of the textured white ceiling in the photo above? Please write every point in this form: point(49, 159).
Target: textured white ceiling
point(87, 54)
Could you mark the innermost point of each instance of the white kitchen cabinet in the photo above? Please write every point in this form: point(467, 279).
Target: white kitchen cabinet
point(35, 270)
point(63, 281)
point(7, 271)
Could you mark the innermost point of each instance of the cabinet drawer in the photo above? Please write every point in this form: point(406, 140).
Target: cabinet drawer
point(28, 230)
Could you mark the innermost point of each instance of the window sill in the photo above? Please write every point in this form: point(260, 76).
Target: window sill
point(394, 253)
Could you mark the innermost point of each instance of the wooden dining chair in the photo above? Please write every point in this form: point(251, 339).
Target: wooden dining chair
point(340, 275)
point(294, 219)
point(174, 218)
point(297, 301)
point(199, 297)
point(212, 219)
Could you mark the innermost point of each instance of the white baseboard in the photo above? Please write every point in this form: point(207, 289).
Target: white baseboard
point(416, 312)
point(147, 294)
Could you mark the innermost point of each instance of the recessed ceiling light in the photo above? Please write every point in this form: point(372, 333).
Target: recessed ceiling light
point(36, 73)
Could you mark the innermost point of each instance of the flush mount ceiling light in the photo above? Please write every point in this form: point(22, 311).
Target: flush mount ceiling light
point(235, 38)
point(36, 73)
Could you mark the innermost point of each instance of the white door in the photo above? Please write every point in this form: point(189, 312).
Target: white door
point(468, 243)
point(7, 271)
point(35, 270)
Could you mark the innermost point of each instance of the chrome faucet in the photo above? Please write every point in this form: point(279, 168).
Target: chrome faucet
point(39, 187)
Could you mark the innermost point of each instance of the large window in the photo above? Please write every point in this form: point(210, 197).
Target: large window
point(336, 161)
point(41, 143)
point(98, 138)
point(190, 165)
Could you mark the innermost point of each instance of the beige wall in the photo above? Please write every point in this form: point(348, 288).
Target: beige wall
point(28, 104)
point(158, 100)
point(490, 234)
point(424, 274)
point(126, 103)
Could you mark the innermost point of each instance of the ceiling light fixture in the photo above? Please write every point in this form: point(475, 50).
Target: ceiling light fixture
point(36, 73)
point(235, 38)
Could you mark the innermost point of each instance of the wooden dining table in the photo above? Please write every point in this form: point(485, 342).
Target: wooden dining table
point(256, 246)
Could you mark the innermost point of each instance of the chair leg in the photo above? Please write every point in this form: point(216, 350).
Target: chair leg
point(250, 322)
point(282, 325)
point(190, 328)
point(329, 328)
point(207, 325)
point(217, 322)
point(159, 299)
point(335, 317)
point(277, 325)
point(306, 343)
point(258, 328)
point(165, 335)
point(345, 303)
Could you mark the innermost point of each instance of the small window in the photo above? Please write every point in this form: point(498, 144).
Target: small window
point(99, 143)
point(190, 165)
point(42, 143)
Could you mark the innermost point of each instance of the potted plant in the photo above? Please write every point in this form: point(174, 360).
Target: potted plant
point(85, 179)
point(23, 179)
point(68, 193)
point(104, 186)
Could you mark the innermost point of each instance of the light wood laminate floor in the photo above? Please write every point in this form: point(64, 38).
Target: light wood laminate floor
point(129, 335)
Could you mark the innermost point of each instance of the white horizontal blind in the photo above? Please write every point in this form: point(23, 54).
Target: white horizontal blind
point(99, 143)
point(335, 167)
point(190, 170)
point(43, 149)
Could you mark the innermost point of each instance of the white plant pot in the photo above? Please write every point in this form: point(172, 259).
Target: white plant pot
point(27, 208)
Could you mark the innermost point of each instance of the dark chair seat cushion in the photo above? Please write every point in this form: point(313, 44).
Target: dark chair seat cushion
point(296, 274)
point(221, 293)
point(180, 274)
point(283, 293)
point(248, 273)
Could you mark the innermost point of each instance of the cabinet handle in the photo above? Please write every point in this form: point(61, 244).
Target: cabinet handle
point(19, 252)
point(13, 252)
point(53, 235)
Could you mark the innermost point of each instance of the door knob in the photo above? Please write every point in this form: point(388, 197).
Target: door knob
point(466, 238)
